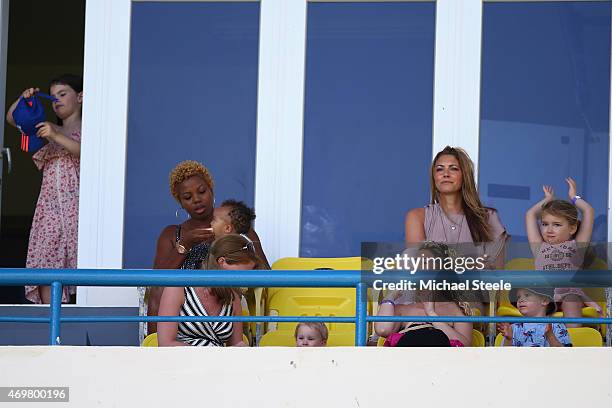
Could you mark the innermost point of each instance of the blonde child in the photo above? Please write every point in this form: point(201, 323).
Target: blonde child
point(311, 335)
point(558, 242)
point(534, 302)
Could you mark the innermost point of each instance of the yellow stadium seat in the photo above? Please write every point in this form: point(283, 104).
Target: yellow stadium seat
point(151, 340)
point(521, 264)
point(580, 337)
point(585, 337)
point(478, 339)
point(314, 301)
point(285, 338)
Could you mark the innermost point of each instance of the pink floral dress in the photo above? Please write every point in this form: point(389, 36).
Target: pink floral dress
point(53, 237)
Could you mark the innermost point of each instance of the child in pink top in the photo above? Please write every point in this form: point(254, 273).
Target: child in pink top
point(558, 242)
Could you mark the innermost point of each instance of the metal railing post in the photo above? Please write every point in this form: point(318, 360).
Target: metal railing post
point(54, 323)
point(361, 324)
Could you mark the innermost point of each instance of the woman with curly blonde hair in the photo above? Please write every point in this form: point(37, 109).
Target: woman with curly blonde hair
point(186, 245)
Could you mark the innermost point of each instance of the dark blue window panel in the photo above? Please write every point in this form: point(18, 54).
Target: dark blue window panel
point(367, 124)
point(506, 191)
point(545, 104)
point(192, 95)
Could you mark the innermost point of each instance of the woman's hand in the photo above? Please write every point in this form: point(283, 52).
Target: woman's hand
point(572, 190)
point(30, 92)
point(48, 130)
point(549, 193)
point(195, 235)
point(505, 329)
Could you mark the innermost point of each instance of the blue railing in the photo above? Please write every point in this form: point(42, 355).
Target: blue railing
point(359, 280)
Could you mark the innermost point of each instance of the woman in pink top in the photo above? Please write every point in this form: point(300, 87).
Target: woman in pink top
point(558, 242)
point(456, 215)
point(53, 236)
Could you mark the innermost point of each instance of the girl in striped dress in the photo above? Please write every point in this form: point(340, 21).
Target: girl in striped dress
point(226, 253)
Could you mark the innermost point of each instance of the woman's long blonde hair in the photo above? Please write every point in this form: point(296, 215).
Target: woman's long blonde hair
point(476, 214)
point(236, 249)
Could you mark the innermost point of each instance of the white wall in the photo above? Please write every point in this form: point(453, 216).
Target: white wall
point(315, 378)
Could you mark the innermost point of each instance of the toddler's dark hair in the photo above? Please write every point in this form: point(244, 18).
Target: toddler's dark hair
point(241, 216)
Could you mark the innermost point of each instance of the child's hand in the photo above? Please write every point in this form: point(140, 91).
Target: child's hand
point(30, 92)
point(548, 332)
point(505, 329)
point(549, 193)
point(47, 130)
point(572, 187)
point(595, 306)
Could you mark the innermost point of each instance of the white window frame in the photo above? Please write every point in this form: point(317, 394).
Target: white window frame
point(280, 117)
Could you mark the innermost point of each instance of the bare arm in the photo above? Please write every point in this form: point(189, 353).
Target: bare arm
point(28, 93)
point(415, 226)
point(550, 336)
point(258, 247)
point(166, 255)
point(588, 219)
point(53, 132)
point(236, 339)
point(507, 331)
point(170, 305)
point(583, 234)
point(384, 329)
point(531, 220)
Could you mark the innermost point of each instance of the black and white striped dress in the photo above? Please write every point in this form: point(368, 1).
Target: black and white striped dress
point(207, 334)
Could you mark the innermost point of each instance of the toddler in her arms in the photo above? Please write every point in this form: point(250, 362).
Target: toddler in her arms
point(232, 217)
point(235, 217)
point(311, 335)
point(559, 241)
point(534, 302)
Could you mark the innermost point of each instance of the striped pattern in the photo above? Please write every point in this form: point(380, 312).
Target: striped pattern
point(25, 142)
point(208, 334)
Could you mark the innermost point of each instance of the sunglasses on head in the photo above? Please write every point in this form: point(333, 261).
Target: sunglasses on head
point(249, 246)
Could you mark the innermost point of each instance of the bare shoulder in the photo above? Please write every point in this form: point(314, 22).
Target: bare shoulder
point(168, 232)
point(416, 214)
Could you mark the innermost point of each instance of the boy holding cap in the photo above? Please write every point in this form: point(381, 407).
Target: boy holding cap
point(534, 302)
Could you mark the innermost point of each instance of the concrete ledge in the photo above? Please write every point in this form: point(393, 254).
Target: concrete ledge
point(323, 377)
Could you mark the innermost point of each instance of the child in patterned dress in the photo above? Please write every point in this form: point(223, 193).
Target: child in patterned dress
point(53, 235)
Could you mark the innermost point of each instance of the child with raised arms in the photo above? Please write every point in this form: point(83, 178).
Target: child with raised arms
point(559, 240)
